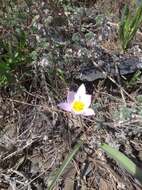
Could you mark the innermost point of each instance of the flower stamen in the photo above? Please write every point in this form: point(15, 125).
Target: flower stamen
point(78, 106)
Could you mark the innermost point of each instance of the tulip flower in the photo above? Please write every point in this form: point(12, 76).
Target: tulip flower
point(78, 102)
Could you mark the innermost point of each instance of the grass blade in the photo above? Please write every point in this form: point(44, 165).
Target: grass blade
point(65, 163)
point(124, 161)
point(129, 25)
point(136, 21)
point(122, 24)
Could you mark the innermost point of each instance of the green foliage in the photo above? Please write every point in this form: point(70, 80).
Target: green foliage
point(122, 114)
point(134, 80)
point(129, 25)
point(53, 179)
point(14, 50)
point(124, 161)
point(139, 99)
point(125, 113)
point(14, 53)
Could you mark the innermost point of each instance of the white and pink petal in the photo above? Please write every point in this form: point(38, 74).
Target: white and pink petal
point(70, 96)
point(85, 98)
point(81, 90)
point(65, 106)
point(88, 112)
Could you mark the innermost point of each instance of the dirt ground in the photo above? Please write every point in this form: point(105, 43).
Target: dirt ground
point(35, 135)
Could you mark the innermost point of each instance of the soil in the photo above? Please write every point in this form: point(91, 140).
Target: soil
point(36, 136)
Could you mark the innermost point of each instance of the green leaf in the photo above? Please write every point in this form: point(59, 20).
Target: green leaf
point(129, 25)
point(139, 98)
point(76, 38)
point(55, 175)
point(123, 160)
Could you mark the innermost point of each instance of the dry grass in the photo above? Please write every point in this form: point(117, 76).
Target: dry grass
point(36, 136)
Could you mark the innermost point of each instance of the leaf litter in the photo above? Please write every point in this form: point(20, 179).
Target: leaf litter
point(36, 136)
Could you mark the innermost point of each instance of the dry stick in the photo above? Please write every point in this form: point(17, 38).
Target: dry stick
point(49, 109)
point(119, 80)
point(17, 151)
point(38, 106)
point(28, 129)
point(34, 105)
point(27, 184)
point(32, 180)
point(110, 78)
point(122, 89)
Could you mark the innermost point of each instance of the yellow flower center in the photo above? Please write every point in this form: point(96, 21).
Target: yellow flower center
point(78, 106)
